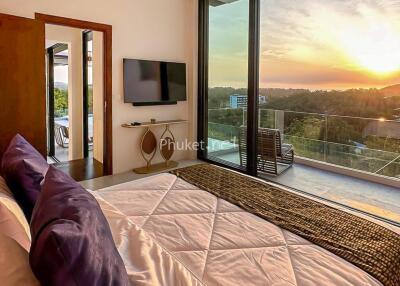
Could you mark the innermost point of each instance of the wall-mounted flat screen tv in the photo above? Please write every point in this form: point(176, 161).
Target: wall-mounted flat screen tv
point(153, 82)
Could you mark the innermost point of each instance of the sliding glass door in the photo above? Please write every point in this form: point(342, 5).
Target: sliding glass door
point(57, 102)
point(313, 83)
point(327, 84)
point(227, 82)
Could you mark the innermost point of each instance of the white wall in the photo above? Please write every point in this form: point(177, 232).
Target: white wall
point(150, 29)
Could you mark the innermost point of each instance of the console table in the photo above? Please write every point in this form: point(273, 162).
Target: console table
point(148, 145)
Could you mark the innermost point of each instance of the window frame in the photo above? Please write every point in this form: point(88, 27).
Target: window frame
point(252, 86)
point(252, 108)
point(252, 111)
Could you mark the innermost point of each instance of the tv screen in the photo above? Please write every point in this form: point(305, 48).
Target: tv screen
point(151, 82)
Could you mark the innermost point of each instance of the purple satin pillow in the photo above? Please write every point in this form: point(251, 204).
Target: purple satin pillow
point(23, 168)
point(71, 239)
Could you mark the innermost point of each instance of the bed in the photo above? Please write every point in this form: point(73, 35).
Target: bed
point(170, 232)
point(198, 225)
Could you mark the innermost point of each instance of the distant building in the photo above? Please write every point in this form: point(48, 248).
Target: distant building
point(383, 129)
point(240, 101)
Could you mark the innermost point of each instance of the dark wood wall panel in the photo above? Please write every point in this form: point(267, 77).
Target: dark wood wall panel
point(22, 81)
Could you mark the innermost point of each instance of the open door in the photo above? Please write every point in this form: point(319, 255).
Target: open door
point(57, 103)
point(87, 45)
point(22, 81)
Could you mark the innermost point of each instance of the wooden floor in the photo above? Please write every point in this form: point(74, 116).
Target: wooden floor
point(82, 169)
point(107, 181)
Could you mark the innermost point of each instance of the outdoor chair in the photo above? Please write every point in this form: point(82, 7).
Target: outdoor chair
point(61, 134)
point(273, 156)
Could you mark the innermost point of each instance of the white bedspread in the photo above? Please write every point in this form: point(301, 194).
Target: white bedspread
point(171, 233)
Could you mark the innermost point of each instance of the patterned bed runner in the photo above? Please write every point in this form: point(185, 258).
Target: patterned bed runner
point(371, 247)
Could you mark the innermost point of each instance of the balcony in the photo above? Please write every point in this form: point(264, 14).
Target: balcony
point(350, 160)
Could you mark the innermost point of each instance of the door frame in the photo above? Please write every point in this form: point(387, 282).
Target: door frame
point(50, 102)
point(87, 35)
point(252, 86)
point(50, 53)
point(107, 76)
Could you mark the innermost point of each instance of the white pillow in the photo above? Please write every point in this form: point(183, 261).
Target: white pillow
point(14, 264)
point(15, 242)
point(12, 219)
point(4, 188)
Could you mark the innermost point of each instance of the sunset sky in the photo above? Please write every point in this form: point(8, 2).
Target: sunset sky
point(315, 44)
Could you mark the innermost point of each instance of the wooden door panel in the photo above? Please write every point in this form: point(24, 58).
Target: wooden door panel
point(22, 81)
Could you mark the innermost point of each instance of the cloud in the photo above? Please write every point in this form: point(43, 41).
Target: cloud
point(317, 25)
point(309, 42)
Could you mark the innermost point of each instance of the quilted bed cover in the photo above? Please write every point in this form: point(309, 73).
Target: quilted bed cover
point(169, 232)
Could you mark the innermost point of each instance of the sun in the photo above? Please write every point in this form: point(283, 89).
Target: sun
point(379, 62)
point(375, 49)
point(376, 58)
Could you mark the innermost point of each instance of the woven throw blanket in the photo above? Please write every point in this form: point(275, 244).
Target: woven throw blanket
point(371, 247)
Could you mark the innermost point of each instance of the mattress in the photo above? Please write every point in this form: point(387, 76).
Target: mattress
point(169, 232)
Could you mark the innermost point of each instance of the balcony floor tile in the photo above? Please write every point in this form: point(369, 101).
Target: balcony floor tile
point(377, 199)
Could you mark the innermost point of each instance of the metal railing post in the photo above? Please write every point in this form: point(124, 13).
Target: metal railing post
point(326, 136)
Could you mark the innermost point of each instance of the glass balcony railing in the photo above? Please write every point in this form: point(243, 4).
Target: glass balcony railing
point(365, 144)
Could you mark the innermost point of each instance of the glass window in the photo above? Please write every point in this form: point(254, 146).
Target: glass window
point(227, 81)
point(329, 84)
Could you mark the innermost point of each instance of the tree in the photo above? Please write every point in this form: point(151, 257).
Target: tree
point(60, 102)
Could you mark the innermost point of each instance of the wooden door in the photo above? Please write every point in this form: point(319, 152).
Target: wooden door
point(22, 81)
